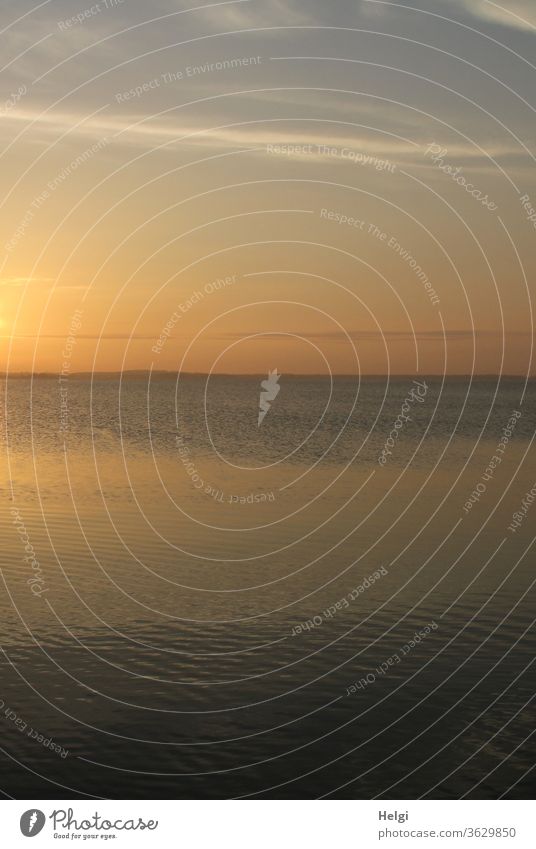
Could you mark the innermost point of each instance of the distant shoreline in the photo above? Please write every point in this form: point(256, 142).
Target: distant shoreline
point(167, 375)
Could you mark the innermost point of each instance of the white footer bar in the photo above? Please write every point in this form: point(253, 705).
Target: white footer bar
point(270, 824)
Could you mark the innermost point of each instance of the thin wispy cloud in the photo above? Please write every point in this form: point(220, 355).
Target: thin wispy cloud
point(376, 335)
point(516, 14)
point(262, 135)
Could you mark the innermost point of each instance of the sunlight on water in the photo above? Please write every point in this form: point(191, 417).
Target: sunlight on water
point(224, 593)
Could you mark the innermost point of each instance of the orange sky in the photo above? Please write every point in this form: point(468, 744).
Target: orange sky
point(308, 187)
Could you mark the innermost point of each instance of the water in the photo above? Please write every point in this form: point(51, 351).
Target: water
point(176, 549)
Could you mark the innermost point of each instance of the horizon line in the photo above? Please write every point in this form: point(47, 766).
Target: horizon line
point(174, 373)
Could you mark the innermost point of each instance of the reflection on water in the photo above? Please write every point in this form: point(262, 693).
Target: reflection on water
point(178, 547)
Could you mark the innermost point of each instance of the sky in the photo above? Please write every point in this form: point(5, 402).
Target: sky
point(240, 186)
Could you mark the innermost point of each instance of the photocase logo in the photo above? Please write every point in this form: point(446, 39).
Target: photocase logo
point(32, 822)
point(270, 391)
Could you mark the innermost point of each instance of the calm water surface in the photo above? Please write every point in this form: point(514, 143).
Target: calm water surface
point(177, 548)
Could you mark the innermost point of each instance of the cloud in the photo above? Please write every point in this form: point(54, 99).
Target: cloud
point(519, 14)
point(91, 336)
point(149, 132)
point(248, 13)
point(513, 14)
point(23, 281)
point(376, 335)
point(257, 134)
